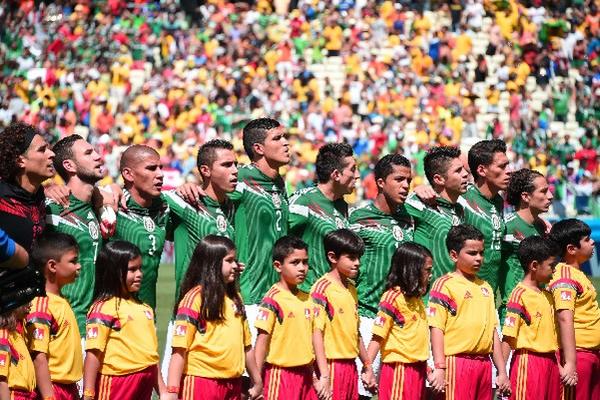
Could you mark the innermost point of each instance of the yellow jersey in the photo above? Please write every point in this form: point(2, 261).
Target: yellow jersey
point(122, 329)
point(465, 311)
point(336, 315)
point(530, 320)
point(51, 328)
point(401, 323)
point(15, 363)
point(214, 349)
point(288, 318)
point(572, 290)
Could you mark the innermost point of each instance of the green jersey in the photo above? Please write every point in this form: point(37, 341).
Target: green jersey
point(431, 228)
point(261, 217)
point(312, 217)
point(79, 221)
point(382, 233)
point(511, 272)
point(191, 224)
point(147, 229)
point(487, 216)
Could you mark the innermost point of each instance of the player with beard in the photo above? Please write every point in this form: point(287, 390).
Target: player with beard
point(80, 166)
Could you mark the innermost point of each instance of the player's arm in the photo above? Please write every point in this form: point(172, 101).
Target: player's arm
point(42, 375)
point(257, 385)
point(438, 376)
point(91, 367)
point(175, 371)
point(323, 386)
point(261, 347)
point(566, 329)
point(502, 381)
point(367, 370)
point(4, 390)
point(160, 386)
point(12, 254)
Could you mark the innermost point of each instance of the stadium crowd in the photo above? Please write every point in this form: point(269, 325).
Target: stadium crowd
point(384, 76)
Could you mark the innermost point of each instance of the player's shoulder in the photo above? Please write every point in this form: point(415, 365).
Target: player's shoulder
point(511, 219)
point(52, 207)
point(392, 296)
point(302, 195)
point(517, 295)
point(321, 286)
point(414, 202)
point(358, 213)
point(192, 295)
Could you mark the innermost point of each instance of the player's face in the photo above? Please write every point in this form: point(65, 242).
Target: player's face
point(545, 270)
point(88, 162)
point(37, 160)
point(349, 175)
point(469, 259)
point(456, 178)
point(347, 265)
point(147, 175)
point(395, 186)
point(134, 276)
point(585, 250)
point(426, 275)
point(498, 172)
point(229, 267)
point(541, 197)
point(68, 267)
point(294, 267)
point(224, 171)
point(276, 147)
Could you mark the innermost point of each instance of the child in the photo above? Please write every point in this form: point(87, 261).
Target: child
point(400, 330)
point(211, 338)
point(51, 328)
point(17, 375)
point(577, 311)
point(463, 320)
point(336, 338)
point(285, 325)
point(121, 346)
point(529, 327)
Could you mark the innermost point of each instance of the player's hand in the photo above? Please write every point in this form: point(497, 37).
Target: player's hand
point(437, 379)
point(168, 396)
point(369, 381)
point(568, 374)
point(503, 384)
point(322, 386)
point(255, 392)
point(426, 194)
point(190, 192)
point(109, 195)
point(59, 194)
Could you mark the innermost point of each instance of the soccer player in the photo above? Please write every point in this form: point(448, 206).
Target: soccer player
point(318, 210)
point(577, 309)
point(463, 320)
point(12, 254)
point(285, 327)
point(80, 166)
point(529, 327)
point(445, 172)
point(336, 337)
point(51, 329)
point(144, 222)
point(529, 193)
point(484, 207)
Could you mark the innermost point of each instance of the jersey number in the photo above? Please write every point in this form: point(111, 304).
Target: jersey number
point(152, 249)
point(278, 215)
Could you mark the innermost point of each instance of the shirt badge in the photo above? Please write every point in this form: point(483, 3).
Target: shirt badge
point(339, 223)
point(431, 311)
point(307, 313)
point(2, 360)
point(276, 200)
point(485, 292)
point(221, 223)
point(149, 224)
point(180, 330)
point(565, 295)
point(92, 333)
point(148, 314)
point(509, 322)
point(38, 334)
point(397, 233)
point(94, 230)
point(379, 321)
point(263, 315)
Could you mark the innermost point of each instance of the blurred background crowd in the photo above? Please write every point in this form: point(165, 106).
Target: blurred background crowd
point(384, 76)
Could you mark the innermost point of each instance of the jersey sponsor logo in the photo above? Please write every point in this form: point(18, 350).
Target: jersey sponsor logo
point(431, 311)
point(221, 223)
point(263, 315)
point(509, 322)
point(565, 295)
point(180, 330)
point(276, 200)
point(379, 321)
point(38, 334)
point(485, 292)
point(149, 224)
point(92, 333)
point(94, 230)
point(397, 232)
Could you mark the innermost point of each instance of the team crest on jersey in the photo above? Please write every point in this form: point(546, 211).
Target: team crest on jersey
point(180, 330)
point(509, 322)
point(38, 334)
point(339, 223)
point(307, 313)
point(565, 295)
point(263, 315)
point(485, 292)
point(2, 360)
point(379, 321)
point(148, 314)
point(397, 233)
point(431, 311)
point(495, 221)
point(149, 224)
point(455, 220)
point(221, 223)
point(93, 230)
point(276, 200)
point(92, 333)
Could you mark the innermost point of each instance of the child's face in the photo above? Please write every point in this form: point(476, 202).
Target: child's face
point(134, 275)
point(229, 267)
point(543, 273)
point(585, 250)
point(346, 264)
point(67, 268)
point(294, 267)
point(469, 259)
point(426, 275)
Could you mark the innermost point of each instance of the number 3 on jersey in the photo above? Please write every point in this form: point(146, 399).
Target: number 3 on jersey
point(152, 249)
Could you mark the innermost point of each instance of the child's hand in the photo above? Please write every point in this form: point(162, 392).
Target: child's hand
point(369, 381)
point(255, 392)
point(568, 374)
point(437, 379)
point(323, 388)
point(503, 384)
point(168, 396)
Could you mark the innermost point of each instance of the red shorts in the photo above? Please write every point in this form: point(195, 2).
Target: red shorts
point(138, 386)
point(63, 392)
point(344, 379)
point(17, 394)
point(468, 377)
point(534, 376)
point(293, 383)
point(402, 381)
point(588, 377)
point(197, 387)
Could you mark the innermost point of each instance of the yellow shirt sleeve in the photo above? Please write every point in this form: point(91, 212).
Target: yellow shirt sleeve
point(268, 311)
point(384, 320)
point(38, 325)
point(187, 322)
point(515, 315)
point(4, 353)
point(247, 334)
point(98, 325)
point(321, 304)
point(440, 305)
point(564, 291)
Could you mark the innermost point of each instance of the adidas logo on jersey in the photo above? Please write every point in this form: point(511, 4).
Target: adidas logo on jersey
point(291, 315)
point(468, 295)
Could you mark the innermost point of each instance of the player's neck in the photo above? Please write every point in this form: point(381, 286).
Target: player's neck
point(328, 190)
point(269, 169)
point(217, 195)
point(530, 282)
point(287, 286)
point(571, 261)
point(28, 183)
point(383, 204)
point(469, 277)
point(444, 194)
point(81, 190)
point(52, 286)
point(335, 276)
point(528, 215)
point(142, 200)
point(485, 189)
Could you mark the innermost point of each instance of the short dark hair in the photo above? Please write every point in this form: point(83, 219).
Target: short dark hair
point(207, 153)
point(12, 139)
point(437, 160)
point(521, 182)
point(384, 166)
point(459, 234)
point(133, 153)
point(569, 231)
point(63, 150)
point(285, 245)
point(343, 241)
point(331, 157)
point(535, 248)
point(482, 153)
point(256, 131)
point(51, 246)
point(406, 268)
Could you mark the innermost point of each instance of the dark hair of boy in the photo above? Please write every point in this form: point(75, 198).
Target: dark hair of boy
point(330, 158)
point(437, 160)
point(459, 234)
point(385, 165)
point(482, 153)
point(343, 241)
point(535, 248)
point(256, 132)
point(51, 246)
point(207, 154)
point(521, 182)
point(406, 268)
point(285, 245)
point(569, 232)
point(63, 150)
point(112, 264)
point(205, 270)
